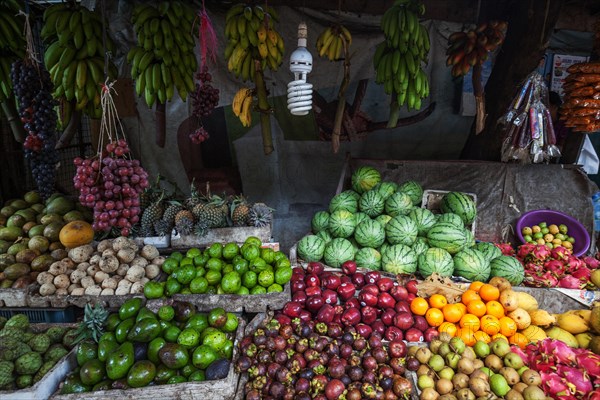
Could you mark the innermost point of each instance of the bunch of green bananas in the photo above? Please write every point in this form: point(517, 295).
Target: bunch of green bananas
point(242, 103)
point(164, 58)
point(332, 40)
point(12, 43)
point(398, 58)
point(250, 34)
point(75, 56)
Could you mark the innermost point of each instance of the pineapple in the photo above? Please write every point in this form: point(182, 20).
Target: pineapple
point(184, 222)
point(260, 215)
point(197, 210)
point(162, 227)
point(215, 212)
point(201, 228)
point(240, 211)
point(194, 198)
point(170, 212)
point(92, 326)
point(151, 214)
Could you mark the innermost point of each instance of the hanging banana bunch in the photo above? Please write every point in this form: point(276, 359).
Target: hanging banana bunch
point(398, 59)
point(242, 105)
point(330, 42)
point(12, 43)
point(164, 58)
point(75, 57)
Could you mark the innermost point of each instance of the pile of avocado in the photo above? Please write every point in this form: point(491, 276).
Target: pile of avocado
point(142, 348)
point(26, 356)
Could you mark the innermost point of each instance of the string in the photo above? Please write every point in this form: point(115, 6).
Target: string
point(106, 55)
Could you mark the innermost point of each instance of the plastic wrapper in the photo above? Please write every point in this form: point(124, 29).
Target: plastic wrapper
point(528, 129)
point(581, 108)
point(586, 68)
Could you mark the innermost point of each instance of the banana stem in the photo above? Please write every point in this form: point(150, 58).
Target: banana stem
point(479, 99)
point(264, 108)
point(70, 130)
point(10, 111)
point(339, 113)
point(394, 111)
point(161, 124)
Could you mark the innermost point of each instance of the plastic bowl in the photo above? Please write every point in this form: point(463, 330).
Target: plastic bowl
point(576, 229)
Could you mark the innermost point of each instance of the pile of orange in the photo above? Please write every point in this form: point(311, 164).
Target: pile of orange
point(478, 316)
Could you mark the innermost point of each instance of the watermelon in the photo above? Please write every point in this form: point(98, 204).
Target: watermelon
point(343, 201)
point(365, 178)
point(470, 239)
point(424, 219)
point(435, 260)
point(371, 203)
point(489, 250)
point(401, 230)
point(341, 224)
point(420, 245)
point(311, 248)
point(352, 194)
point(325, 235)
point(414, 190)
point(452, 218)
point(398, 204)
point(399, 259)
point(472, 265)
point(368, 258)
point(320, 221)
point(447, 236)
point(461, 204)
point(369, 233)
point(383, 248)
point(508, 267)
point(338, 251)
point(360, 217)
point(383, 219)
point(386, 189)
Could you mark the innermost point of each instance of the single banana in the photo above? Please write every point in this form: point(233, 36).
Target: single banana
point(246, 115)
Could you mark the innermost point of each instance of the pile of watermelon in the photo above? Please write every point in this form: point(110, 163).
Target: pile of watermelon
point(382, 226)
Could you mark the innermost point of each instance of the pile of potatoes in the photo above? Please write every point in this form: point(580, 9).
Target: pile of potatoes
point(115, 267)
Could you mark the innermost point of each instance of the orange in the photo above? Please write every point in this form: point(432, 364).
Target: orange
point(518, 339)
point(452, 312)
point(437, 301)
point(477, 307)
point(495, 308)
point(463, 308)
point(489, 292)
point(434, 317)
point(490, 324)
point(499, 336)
point(467, 335)
point(508, 326)
point(484, 337)
point(469, 295)
point(470, 321)
point(476, 285)
point(448, 327)
point(419, 306)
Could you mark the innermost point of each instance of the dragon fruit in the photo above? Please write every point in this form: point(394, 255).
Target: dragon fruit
point(578, 378)
point(554, 385)
point(506, 249)
point(575, 262)
point(570, 282)
point(583, 274)
point(591, 262)
point(560, 253)
point(555, 266)
point(589, 362)
point(541, 252)
point(525, 250)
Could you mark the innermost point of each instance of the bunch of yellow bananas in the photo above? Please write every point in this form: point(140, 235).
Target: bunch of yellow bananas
point(242, 103)
point(12, 43)
point(332, 40)
point(250, 34)
point(164, 57)
point(75, 56)
point(399, 57)
point(466, 49)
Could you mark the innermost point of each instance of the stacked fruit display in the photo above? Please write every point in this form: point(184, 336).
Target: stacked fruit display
point(140, 347)
point(164, 57)
point(399, 57)
point(306, 360)
point(332, 42)
point(12, 44)
point(27, 354)
point(551, 235)
point(112, 267)
point(30, 236)
point(224, 269)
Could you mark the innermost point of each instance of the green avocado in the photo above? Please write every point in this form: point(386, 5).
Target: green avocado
point(130, 308)
point(144, 331)
point(141, 374)
point(123, 329)
point(174, 355)
point(120, 361)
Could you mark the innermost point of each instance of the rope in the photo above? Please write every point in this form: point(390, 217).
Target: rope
point(110, 122)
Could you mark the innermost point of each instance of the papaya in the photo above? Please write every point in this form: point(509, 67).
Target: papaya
point(60, 205)
point(10, 233)
point(16, 271)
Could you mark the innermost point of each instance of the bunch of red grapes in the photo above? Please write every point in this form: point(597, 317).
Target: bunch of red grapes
point(205, 98)
point(199, 135)
point(111, 186)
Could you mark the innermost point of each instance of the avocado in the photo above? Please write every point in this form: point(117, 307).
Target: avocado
point(144, 331)
point(218, 369)
point(92, 372)
point(105, 347)
point(183, 310)
point(130, 308)
point(123, 329)
point(60, 205)
point(112, 322)
point(144, 313)
point(173, 355)
point(140, 351)
point(164, 373)
point(87, 350)
point(103, 385)
point(73, 384)
point(141, 374)
point(10, 233)
point(120, 361)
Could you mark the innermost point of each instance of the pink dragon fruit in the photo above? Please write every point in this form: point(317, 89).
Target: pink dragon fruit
point(506, 249)
point(533, 267)
point(559, 253)
point(555, 266)
point(553, 384)
point(524, 250)
point(583, 274)
point(575, 262)
point(589, 361)
point(549, 279)
point(570, 282)
point(556, 348)
point(541, 252)
point(578, 378)
point(591, 262)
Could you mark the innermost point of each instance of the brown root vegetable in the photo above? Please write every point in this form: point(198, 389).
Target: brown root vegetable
point(149, 252)
point(109, 264)
point(126, 255)
point(123, 268)
point(62, 281)
point(135, 273)
point(93, 290)
point(47, 289)
point(152, 271)
point(45, 277)
point(86, 282)
point(107, 292)
point(100, 276)
point(81, 253)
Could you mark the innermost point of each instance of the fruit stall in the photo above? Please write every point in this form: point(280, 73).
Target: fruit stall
point(192, 205)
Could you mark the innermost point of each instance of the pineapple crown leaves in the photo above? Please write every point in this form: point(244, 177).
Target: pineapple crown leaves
point(93, 323)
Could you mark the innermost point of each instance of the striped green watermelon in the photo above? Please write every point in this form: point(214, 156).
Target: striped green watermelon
point(508, 267)
point(471, 265)
point(360, 217)
point(320, 221)
point(365, 178)
point(352, 194)
point(447, 236)
point(343, 201)
point(386, 189)
point(368, 258)
point(452, 218)
point(371, 203)
point(470, 239)
point(383, 248)
point(383, 219)
point(420, 245)
point(325, 235)
point(401, 230)
point(398, 204)
point(424, 219)
point(414, 190)
point(341, 224)
point(338, 251)
point(369, 233)
point(399, 259)
point(489, 250)
point(461, 204)
point(311, 248)
point(435, 260)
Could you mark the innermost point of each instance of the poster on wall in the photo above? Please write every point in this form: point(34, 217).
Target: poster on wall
point(560, 63)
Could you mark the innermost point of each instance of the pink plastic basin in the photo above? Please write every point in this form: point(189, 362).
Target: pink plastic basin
point(576, 229)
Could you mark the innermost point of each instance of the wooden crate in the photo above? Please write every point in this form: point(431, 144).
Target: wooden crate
point(221, 235)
